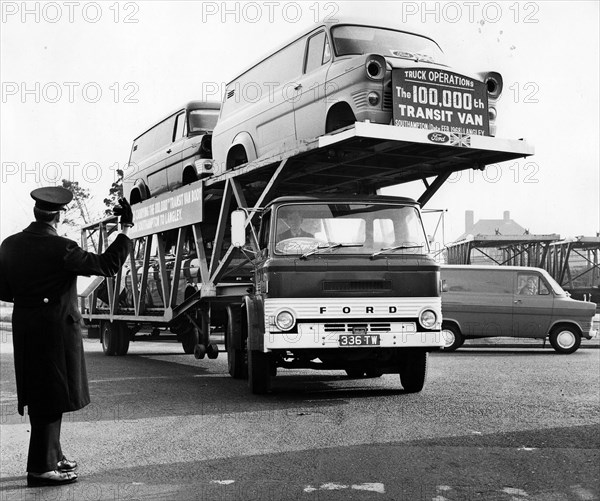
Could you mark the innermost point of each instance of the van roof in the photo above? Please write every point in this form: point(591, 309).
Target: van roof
point(339, 20)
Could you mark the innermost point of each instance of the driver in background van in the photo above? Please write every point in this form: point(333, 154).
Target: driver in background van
point(530, 288)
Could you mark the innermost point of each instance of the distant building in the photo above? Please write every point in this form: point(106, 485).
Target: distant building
point(485, 229)
point(505, 226)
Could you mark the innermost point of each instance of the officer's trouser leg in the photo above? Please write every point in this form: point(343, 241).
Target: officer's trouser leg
point(44, 443)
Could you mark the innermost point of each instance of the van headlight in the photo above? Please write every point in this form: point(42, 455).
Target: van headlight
point(284, 320)
point(428, 319)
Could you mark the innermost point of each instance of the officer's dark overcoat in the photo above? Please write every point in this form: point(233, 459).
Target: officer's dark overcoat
point(38, 272)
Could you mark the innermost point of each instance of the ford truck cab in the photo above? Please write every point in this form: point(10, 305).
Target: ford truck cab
point(344, 283)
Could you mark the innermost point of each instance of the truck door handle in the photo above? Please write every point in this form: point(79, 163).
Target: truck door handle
point(298, 87)
point(169, 150)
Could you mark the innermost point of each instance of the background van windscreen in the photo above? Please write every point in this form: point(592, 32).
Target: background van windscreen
point(203, 120)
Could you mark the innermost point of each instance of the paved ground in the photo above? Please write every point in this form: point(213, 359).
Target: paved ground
point(491, 424)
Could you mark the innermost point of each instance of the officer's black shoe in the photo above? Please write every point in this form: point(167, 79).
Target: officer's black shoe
point(66, 465)
point(50, 478)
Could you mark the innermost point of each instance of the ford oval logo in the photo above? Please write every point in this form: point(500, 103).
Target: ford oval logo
point(438, 137)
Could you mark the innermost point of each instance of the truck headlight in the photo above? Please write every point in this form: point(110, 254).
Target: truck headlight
point(428, 319)
point(285, 320)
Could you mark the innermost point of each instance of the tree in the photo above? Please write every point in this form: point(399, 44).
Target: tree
point(114, 193)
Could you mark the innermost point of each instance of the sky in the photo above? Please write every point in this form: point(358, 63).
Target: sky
point(81, 79)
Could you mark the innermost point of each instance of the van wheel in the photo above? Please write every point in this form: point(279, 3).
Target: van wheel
point(413, 370)
point(355, 373)
point(565, 339)
point(452, 338)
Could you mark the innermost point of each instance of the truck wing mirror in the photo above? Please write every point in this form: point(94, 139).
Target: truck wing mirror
point(238, 228)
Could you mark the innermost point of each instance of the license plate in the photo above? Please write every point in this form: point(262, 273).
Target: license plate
point(359, 339)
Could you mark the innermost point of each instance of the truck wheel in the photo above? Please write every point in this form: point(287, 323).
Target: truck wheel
point(114, 337)
point(565, 339)
point(452, 337)
point(413, 370)
point(236, 359)
point(259, 372)
point(189, 340)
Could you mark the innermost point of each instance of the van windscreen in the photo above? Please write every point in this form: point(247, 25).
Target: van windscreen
point(351, 39)
point(203, 120)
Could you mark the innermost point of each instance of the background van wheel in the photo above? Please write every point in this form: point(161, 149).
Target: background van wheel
point(565, 339)
point(355, 373)
point(452, 337)
point(259, 372)
point(413, 370)
point(114, 337)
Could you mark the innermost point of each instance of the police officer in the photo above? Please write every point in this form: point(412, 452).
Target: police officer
point(38, 273)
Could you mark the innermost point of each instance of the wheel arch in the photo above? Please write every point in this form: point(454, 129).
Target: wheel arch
point(565, 323)
point(242, 143)
point(339, 113)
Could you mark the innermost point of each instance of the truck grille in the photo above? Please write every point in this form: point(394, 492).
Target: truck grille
point(356, 285)
point(349, 327)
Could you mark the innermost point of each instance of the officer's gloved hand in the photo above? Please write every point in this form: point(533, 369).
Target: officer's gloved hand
point(123, 210)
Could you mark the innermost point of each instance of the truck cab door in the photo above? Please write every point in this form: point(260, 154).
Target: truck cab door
point(533, 304)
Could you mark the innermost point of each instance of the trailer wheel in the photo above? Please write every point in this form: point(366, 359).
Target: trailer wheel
point(565, 339)
point(236, 359)
point(259, 372)
point(413, 370)
point(189, 340)
point(114, 337)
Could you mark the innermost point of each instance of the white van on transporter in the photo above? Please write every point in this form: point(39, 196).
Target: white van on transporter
point(175, 151)
point(340, 73)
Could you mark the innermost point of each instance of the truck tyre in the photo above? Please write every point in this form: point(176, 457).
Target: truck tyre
point(413, 370)
point(189, 340)
point(114, 337)
point(236, 359)
point(565, 339)
point(452, 337)
point(259, 372)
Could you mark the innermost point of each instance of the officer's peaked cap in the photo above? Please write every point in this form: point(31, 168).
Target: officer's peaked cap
point(51, 198)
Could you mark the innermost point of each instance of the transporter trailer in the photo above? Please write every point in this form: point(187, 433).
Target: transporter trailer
point(294, 257)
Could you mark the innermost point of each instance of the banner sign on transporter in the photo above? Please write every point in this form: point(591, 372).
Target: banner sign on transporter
point(168, 211)
point(439, 100)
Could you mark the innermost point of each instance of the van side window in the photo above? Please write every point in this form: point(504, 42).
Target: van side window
point(179, 126)
point(315, 55)
point(479, 281)
point(528, 284)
